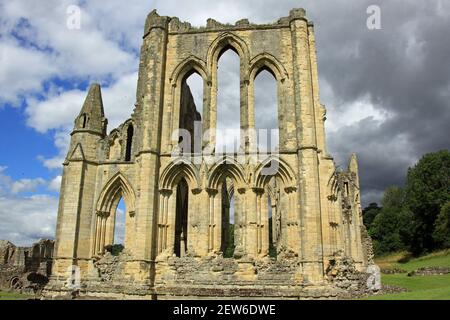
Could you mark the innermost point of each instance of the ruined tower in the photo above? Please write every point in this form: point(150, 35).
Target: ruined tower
point(297, 218)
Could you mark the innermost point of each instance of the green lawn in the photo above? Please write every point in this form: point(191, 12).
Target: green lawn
point(420, 287)
point(14, 296)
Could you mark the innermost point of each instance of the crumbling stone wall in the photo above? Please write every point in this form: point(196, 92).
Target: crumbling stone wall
point(25, 268)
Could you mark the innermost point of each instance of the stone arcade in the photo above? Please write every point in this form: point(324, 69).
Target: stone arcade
point(178, 208)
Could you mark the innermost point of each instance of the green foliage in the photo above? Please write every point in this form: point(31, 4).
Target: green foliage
point(272, 249)
point(116, 249)
point(390, 229)
point(427, 190)
point(229, 251)
point(441, 233)
point(369, 214)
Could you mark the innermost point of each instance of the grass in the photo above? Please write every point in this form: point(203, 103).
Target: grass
point(420, 287)
point(14, 296)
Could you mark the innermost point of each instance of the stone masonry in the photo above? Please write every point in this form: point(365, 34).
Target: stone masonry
point(25, 269)
point(297, 230)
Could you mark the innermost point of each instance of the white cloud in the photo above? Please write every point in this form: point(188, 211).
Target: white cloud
point(9, 186)
point(55, 112)
point(37, 46)
point(55, 184)
point(22, 70)
point(25, 219)
point(27, 185)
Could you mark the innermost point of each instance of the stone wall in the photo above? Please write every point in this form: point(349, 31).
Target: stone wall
point(25, 268)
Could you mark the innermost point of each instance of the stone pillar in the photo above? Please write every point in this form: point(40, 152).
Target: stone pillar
point(319, 110)
point(240, 221)
point(264, 222)
point(110, 228)
point(206, 117)
point(311, 229)
point(150, 93)
point(245, 113)
point(163, 222)
point(293, 232)
point(212, 110)
point(252, 135)
point(198, 224)
point(251, 213)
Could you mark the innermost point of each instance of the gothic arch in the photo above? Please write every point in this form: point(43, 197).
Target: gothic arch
point(284, 172)
point(267, 61)
point(227, 166)
point(190, 64)
point(178, 169)
point(224, 41)
point(116, 187)
point(103, 231)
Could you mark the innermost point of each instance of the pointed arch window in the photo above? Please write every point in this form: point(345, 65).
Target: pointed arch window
point(130, 133)
point(228, 102)
point(266, 110)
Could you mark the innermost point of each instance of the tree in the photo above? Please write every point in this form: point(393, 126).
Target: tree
point(427, 190)
point(369, 214)
point(441, 232)
point(229, 250)
point(390, 229)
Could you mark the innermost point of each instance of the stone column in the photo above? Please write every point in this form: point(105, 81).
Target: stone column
point(240, 220)
point(150, 100)
point(169, 231)
point(293, 232)
point(319, 110)
point(212, 110)
point(311, 230)
point(206, 117)
point(264, 224)
point(163, 220)
point(214, 221)
point(252, 135)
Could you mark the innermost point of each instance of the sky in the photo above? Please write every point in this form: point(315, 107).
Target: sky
point(387, 90)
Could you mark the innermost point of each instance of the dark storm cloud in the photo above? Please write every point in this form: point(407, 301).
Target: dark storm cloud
point(404, 69)
point(401, 71)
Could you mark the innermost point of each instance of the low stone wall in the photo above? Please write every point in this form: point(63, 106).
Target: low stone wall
point(393, 270)
point(430, 271)
point(214, 277)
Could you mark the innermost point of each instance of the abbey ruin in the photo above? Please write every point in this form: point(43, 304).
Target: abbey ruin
point(296, 230)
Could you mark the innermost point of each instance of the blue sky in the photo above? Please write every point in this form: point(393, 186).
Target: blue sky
point(375, 85)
